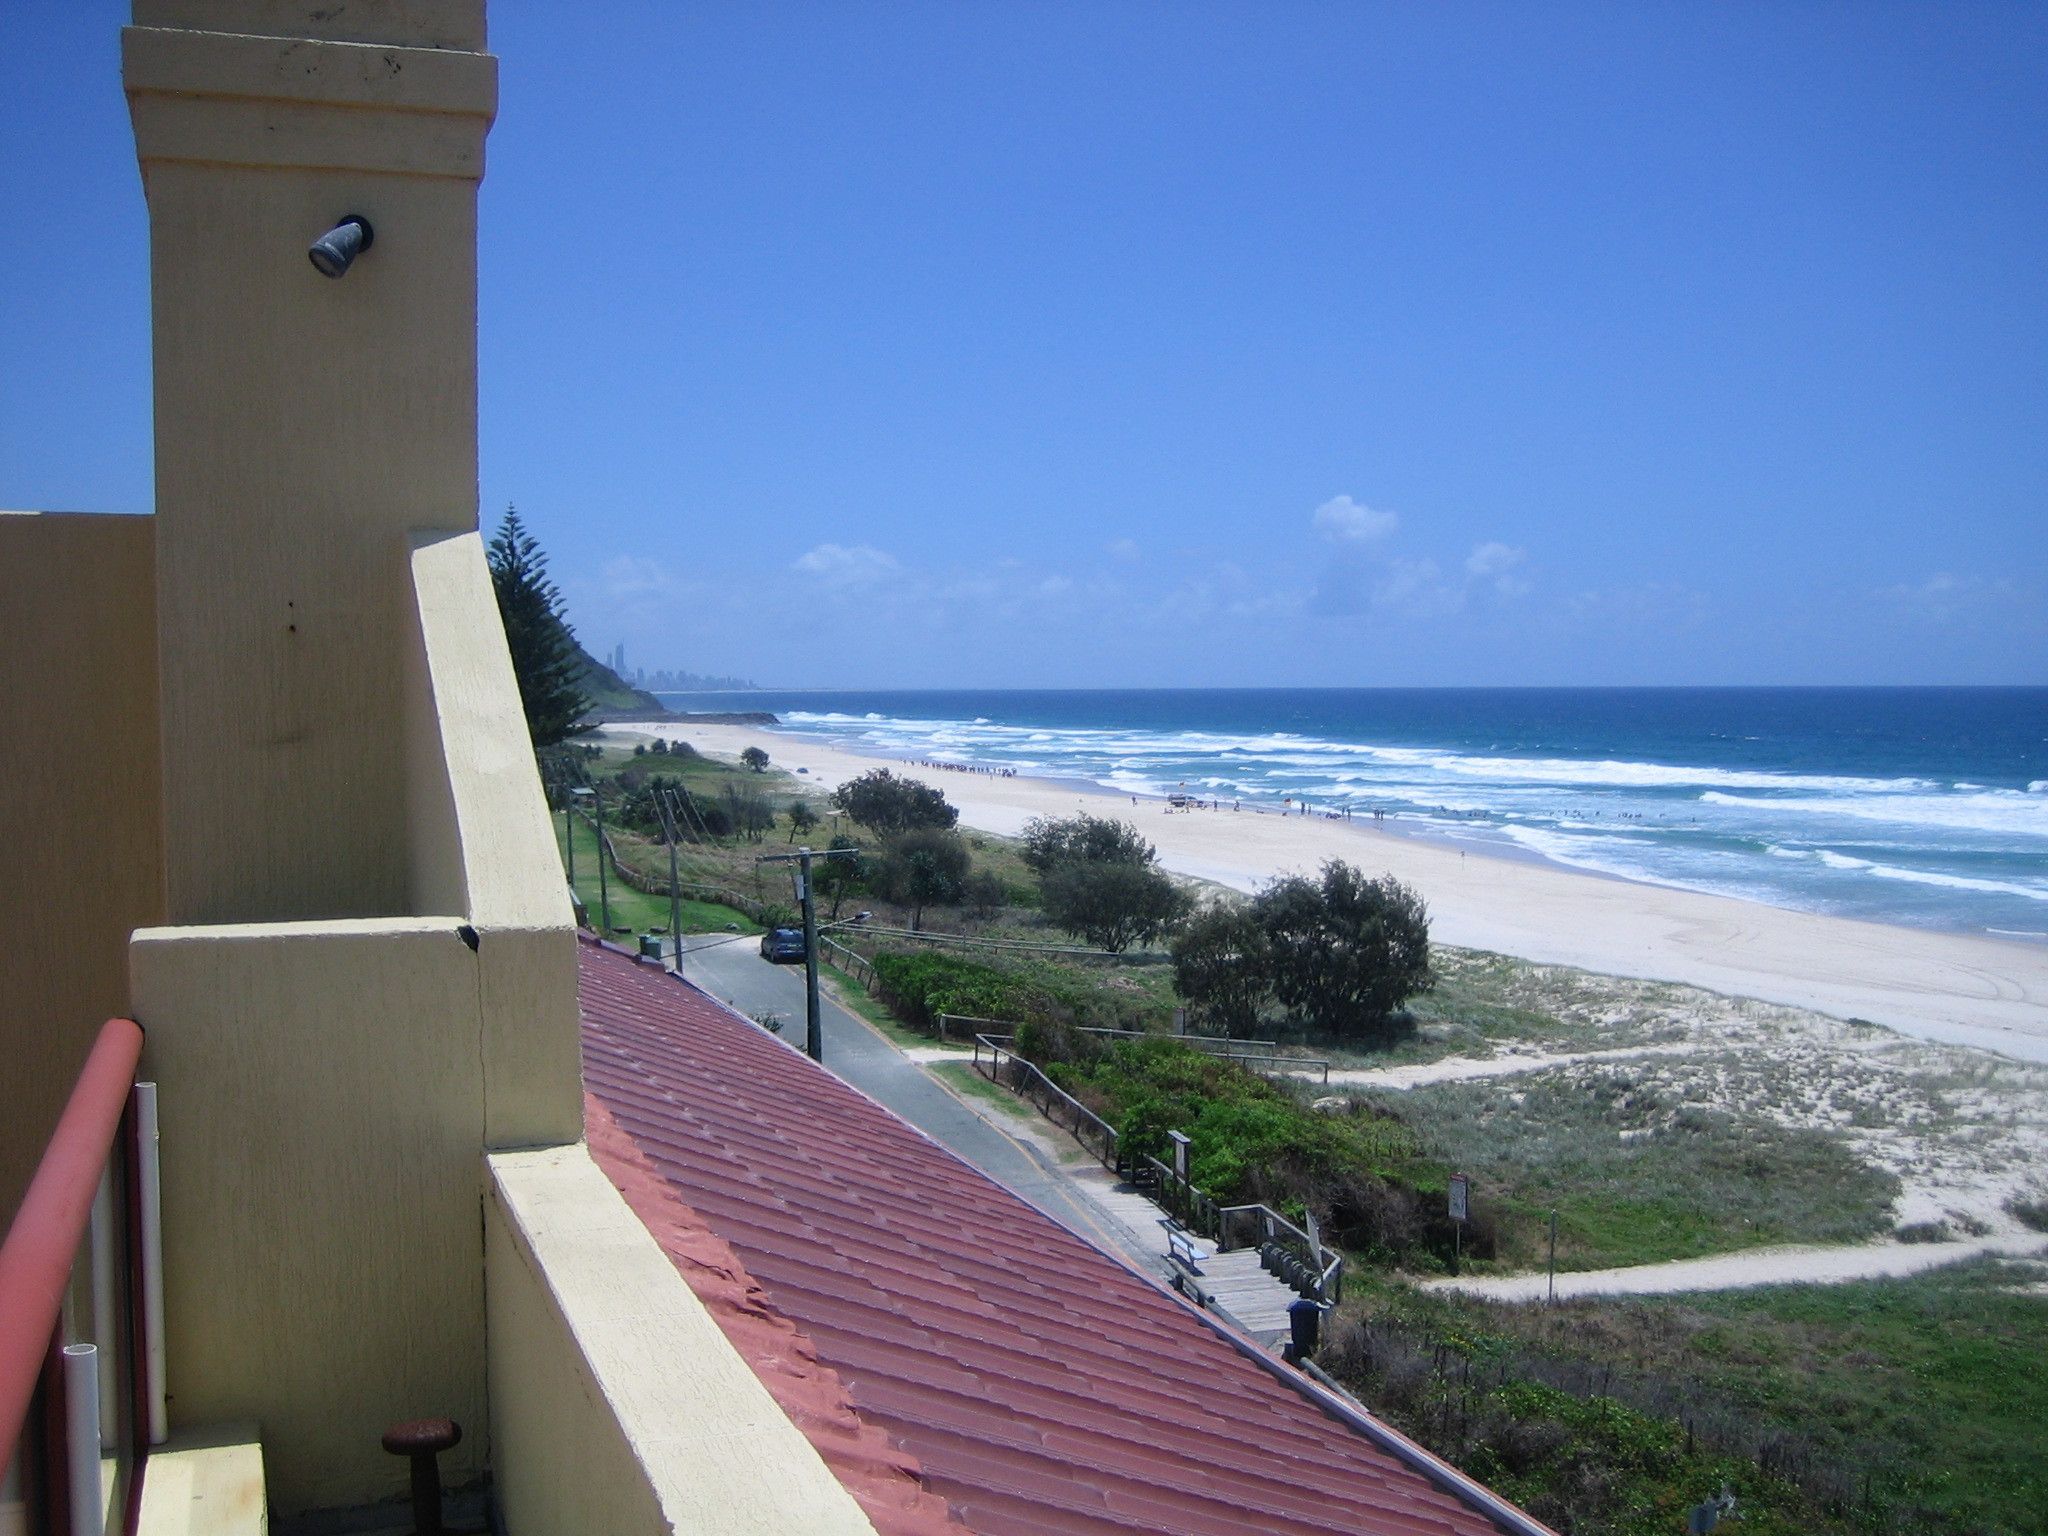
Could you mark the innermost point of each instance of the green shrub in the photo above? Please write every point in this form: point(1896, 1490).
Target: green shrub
point(1253, 1142)
point(920, 987)
point(2030, 1211)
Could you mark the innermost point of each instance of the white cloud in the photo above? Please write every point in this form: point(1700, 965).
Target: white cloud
point(1345, 521)
point(1493, 559)
point(1417, 589)
point(1497, 562)
point(1123, 549)
point(1946, 597)
point(630, 576)
point(842, 565)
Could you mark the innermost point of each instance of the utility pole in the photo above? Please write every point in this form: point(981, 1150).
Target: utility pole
point(604, 890)
point(814, 1036)
point(675, 890)
point(604, 895)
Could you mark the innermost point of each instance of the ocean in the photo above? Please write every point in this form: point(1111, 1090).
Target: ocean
point(1921, 806)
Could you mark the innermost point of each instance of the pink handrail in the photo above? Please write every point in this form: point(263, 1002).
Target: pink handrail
point(35, 1261)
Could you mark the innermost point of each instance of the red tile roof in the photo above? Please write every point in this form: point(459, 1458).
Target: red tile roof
point(885, 1481)
point(1038, 1384)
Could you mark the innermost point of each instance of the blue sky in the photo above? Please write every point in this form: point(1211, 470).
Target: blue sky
point(1084, 344)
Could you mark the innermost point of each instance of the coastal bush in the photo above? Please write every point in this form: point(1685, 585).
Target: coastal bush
point(1084, 839)
point(1220, 966)
point(1337, 954)
point(926, 866)
point(842, 875)
point(2030, 1211)
point(1252, 1141)
point(1111, 905)
point(1345, 950)
point(883, 803)
point(1049, 1005)
point(801, 818)
point(751, 812)
point(920, 987)
point(984, 894)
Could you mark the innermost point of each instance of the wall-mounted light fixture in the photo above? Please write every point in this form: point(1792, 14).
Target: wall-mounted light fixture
point(335, 251)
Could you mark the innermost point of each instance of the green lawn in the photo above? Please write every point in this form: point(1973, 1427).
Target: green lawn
point(964, 1079)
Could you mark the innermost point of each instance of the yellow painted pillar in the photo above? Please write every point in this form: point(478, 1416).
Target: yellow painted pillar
point(305, 426)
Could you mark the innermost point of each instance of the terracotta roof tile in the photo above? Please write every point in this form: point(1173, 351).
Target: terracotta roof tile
point(1034, 1383)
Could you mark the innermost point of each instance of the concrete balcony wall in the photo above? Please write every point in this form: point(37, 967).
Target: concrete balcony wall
point(321, 1104)
point(481, 845)
point(79, 813)
point(326, 1089)
point(618, 1405)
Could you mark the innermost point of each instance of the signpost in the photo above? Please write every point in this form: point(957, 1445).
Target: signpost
point(1461, 1190)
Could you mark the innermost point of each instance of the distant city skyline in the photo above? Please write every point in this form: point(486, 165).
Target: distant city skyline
point(924, 345)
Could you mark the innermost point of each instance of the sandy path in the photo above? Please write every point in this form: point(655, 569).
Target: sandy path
point(1465, 1069)
point(1949, 987)
point(1732, 1271)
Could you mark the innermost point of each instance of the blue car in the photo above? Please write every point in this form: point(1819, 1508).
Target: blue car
point(783, 946)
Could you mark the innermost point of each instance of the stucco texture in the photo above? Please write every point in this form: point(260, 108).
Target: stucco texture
point(78, 803)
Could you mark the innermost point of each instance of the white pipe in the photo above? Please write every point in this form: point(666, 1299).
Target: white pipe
point(104, 1328)
point(152, 1257)
point(82, 1439)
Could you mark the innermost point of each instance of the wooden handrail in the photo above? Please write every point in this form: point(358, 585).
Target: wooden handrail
point(1183, 1199)
point(42, 1241)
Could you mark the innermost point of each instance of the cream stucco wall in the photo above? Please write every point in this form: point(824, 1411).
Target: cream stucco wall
point(78, 803)
point(352, 946)
point(321, 1102)
point(305, 429)
point(618, 1404)
point(327, 1088)
point(482, 844)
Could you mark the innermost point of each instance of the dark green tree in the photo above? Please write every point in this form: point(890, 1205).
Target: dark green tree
point(749, 809)
point(1346, 950)
point(892, 806)
point(1222, 969)
point(801, 818)
point(1112, 904)
point(840, 877)
point(1050, 840)
point(543, 647)
point(756, 759)
point(924, 867)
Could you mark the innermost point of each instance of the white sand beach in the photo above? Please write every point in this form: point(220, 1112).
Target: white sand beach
point(1953, 988)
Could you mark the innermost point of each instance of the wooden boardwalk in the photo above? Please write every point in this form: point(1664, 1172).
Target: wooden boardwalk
point(1233, 1283)
point(1237, 1285)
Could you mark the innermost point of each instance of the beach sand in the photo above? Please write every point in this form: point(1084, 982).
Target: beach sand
point(1953, 988)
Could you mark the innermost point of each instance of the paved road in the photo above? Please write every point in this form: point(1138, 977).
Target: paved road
point(736, 973)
